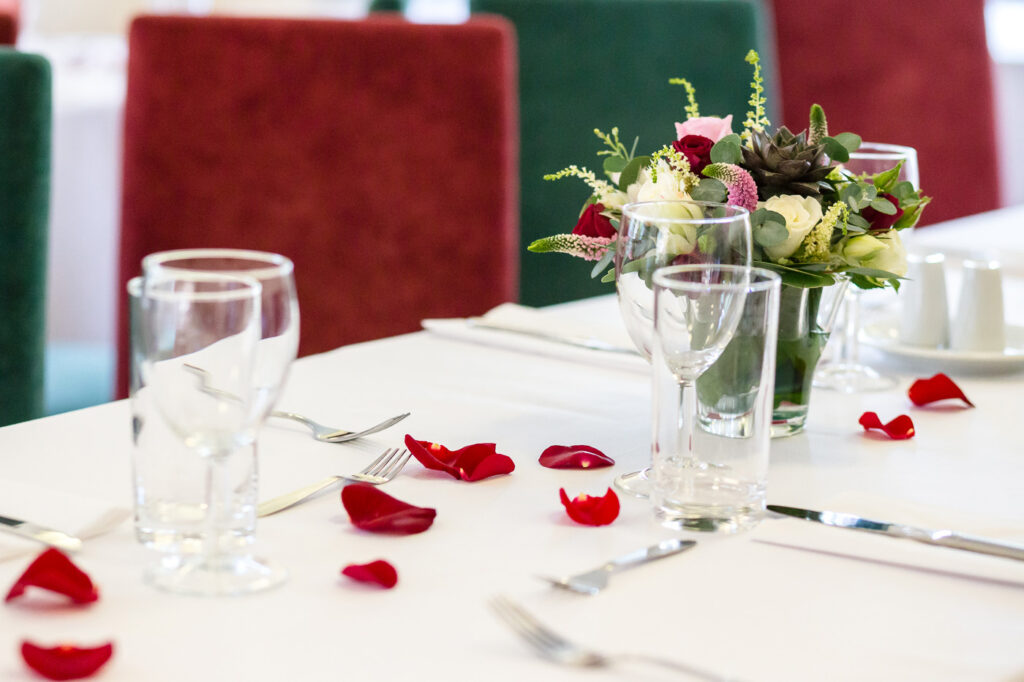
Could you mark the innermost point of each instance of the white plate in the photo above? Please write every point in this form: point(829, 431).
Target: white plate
point(884, 334)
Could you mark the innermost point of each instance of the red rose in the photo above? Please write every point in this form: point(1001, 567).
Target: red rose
point(696, 149)
point(593, 224)
point(880, 222)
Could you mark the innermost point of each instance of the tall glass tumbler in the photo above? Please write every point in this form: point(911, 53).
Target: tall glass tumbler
point(655, 234)
point(718, 324)
point(846, 373)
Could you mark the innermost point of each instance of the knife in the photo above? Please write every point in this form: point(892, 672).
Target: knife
point(47, 536)
point(589, 342)
point(942, 537)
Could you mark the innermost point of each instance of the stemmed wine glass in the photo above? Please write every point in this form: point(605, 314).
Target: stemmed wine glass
point(210, 320)
point(847, 374)
point(659, 233)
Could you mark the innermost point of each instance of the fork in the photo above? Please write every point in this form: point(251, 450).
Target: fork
point(557, 648)
point(377, 472)
point(326, 434)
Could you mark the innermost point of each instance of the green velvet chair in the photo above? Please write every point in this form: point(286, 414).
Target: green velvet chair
point(24, 199)
point(586, 64)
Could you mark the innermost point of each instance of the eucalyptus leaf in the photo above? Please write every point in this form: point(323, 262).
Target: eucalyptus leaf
point(874, 272)
point(727, 150)
point(850, 141)
point(835, 149)
point(857, 220)
point(886, 180)
point(770, 233)
point(605, 261)
point(903, 190)
point(709, 189)
point(883, 205)
point(608, 277)
point(632, 170)
point(798, 278)
point(614, 164)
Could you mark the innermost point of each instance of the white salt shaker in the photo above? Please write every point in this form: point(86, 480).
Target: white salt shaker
point(979, 324)
point(925, 318)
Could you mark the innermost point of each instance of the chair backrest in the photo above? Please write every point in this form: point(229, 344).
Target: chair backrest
point(9, 13)
point(904, 73)
point(604, 63)
point(379, 155)
point(24, 203)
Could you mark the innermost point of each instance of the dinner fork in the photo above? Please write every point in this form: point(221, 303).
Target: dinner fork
point(326, 434)
point(377, 472)
point(557, 648)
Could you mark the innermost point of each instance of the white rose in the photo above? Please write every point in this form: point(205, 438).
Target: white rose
point(892, 257)
point(674, 237)
point(668, 187)
point(614, 201)
point(801, 214)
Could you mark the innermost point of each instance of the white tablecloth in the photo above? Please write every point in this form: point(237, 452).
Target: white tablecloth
point(735, 604)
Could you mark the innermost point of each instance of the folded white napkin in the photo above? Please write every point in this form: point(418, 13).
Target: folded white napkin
point(806, 535)
point(526, 326)
point(84, 518)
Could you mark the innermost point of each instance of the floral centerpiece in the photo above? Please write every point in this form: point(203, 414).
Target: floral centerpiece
point(813, 222)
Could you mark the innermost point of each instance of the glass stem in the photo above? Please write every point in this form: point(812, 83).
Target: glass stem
point(850, 349)
point(218, 503)
point(687, 418)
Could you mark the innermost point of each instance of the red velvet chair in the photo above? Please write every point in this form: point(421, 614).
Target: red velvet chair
point(909, 73)
point(10, 10)
point(381, 156)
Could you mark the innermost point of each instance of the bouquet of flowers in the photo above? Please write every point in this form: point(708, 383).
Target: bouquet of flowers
point(811, 220)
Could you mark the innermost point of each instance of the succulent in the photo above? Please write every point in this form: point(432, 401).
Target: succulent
point(786, 164)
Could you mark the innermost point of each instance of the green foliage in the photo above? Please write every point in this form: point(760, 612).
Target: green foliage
point(818, 128)
point(768, 227)
point(727, 150)
point(632, 170)
point(692, 110)
point(709, 189)
point(886, 180)
point(798, 276)
point(756, 117)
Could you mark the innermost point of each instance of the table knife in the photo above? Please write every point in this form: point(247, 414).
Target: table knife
point(941, 537)
point(589, 342)
point(47, 536)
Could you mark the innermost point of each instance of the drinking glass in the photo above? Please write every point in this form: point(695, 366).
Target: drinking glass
point(713, 476)
point(656, 234)
point(847, 374)
point(211, 320)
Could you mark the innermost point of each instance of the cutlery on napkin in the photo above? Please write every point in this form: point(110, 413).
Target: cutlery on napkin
point(75, 516)
point(879, 548)
point(545, 332)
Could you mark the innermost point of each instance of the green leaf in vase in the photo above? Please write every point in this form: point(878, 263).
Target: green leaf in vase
point(632, 170)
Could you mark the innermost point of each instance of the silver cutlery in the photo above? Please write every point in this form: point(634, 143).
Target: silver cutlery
point(941, 537)
point(592, 582)
point(557, 648)
point(589, 342)
point(47, 536)
point(377, 472)
point(326, 434)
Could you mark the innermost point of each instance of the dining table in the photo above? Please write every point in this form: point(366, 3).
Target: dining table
point(789, 600)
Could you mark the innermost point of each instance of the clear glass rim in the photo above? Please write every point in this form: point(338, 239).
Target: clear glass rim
point(277, 265)
point(250, 287)
point(883, 151)
point(761, 279)
point(633, 209)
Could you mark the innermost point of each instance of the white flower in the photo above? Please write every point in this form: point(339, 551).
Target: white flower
point(670, 185)
point(883, 251)
point(675, 236)
point(614, 201)
point(801, 214)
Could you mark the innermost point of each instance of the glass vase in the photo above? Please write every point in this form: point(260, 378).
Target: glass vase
point(806, 317)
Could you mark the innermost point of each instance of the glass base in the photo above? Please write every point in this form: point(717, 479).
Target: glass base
point(847, 378)
point(635, 483)
point(706, 519)
point(219, 576)
point(788, 420)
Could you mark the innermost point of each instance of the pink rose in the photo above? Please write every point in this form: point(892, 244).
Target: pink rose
point(711, 127)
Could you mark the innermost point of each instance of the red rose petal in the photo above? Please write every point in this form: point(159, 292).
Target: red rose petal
point(900, 428)
point(471, 463)
point(379, 572)
point(939, 387)
point(66, 662)
point(52, 570)
point(591, 510)
point(377, 512)
point(574, 457)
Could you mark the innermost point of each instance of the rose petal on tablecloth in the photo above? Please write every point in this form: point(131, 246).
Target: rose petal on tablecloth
point(52, 570)
point(378, 572)
point(938, 387)
point(900, 428)
point(377, 512)
point(574, 457)
point(471, 463)
point(66, 662)
point(591, 510)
